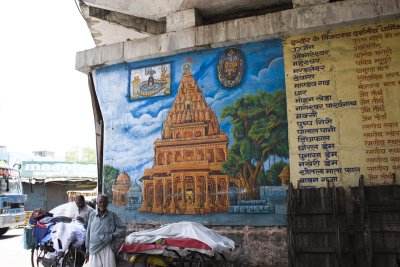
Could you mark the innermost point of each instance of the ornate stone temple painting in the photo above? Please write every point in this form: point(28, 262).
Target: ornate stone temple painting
point(213, 147)
point(187, 177)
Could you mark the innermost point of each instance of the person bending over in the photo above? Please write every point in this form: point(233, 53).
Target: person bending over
point(84, 210)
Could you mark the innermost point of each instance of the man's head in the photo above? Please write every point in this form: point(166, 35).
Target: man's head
point(80, 201)
point(102, 202)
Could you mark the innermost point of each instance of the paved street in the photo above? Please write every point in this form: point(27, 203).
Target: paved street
point(12, 252)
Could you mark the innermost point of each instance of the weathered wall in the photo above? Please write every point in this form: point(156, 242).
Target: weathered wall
point(344, 118)
point(267, 246)
point(201, 136)
point(307, 17)
point(36, 194)
point(285, 23)
point(47, 196)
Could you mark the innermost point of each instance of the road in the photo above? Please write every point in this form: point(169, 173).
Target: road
point(12, 252)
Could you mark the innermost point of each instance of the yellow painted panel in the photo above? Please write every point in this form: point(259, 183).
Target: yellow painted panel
point(344, 105)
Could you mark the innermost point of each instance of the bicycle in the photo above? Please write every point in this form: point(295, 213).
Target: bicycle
point(46, 256)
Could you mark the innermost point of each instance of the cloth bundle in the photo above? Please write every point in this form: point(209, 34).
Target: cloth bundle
point(197, 231)
point(65, 234)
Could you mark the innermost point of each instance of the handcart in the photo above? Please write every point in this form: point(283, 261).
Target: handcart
point(183, 244)
point(49, 251)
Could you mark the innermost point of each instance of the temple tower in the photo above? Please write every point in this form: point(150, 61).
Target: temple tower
point(120, 189)
point(186, 176)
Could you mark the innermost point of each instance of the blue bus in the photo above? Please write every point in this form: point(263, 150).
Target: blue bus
point(12, 199)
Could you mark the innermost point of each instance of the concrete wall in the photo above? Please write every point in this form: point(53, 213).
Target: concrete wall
point(36, 194)
point(300, 19)
point(256, 246)
point(47, 196)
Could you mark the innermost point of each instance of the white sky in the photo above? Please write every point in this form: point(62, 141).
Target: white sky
point(44, 102)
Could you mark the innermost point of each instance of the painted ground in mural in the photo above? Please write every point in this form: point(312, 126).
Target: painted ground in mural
point(213, 146)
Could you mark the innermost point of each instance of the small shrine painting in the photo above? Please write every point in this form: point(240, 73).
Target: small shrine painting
point(150, 81)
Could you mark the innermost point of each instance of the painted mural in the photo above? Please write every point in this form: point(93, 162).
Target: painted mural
point(212, 142)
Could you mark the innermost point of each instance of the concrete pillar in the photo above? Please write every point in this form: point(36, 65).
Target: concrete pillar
point(184, 19)
point(299, 3)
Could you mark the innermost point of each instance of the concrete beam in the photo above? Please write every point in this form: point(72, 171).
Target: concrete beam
point(185, 19)
point(154, 9)
point(100, 56)
point(141, 25)
point(299, 3)
point(284, 23)
point(106, 33)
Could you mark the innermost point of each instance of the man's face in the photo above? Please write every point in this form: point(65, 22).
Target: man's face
point(102, 204)
point(80, 203)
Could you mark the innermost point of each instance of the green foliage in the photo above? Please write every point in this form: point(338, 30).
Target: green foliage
point(272, 175)
point(81, 155)
point(110, 174)
point(259, 130)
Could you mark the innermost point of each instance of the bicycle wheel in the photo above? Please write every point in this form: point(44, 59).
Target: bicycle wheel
point(37, 255)
point(73, 258)
point(198, 259)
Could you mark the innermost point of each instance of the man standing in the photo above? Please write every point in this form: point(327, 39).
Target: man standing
point(103, 227)
point(83, 212)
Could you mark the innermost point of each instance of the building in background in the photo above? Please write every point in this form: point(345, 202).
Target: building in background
point(43, 153)
point(47, 183)
point(46, 180)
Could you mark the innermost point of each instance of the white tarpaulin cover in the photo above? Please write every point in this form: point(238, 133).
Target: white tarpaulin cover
point(67, 210)
point(64, 234)
point(217, 242)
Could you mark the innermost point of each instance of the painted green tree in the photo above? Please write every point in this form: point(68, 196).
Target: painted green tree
point(259, 130)
point(110, 174)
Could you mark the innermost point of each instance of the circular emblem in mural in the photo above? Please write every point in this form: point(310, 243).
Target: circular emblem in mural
point(230, 67)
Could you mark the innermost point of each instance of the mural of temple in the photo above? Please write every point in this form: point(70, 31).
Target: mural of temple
point(186, 176)
point(120, 189)
point(134, 197)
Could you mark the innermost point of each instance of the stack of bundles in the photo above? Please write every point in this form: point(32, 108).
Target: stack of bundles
point(181, 237)
point(64, 235)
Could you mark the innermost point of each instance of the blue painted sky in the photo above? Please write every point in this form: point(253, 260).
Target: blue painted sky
point(131, 127)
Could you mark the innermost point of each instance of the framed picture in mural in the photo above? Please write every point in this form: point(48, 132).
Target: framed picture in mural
point(150, 81)
point(230, 67)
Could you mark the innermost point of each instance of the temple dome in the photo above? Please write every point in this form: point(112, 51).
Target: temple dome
point(123, 178)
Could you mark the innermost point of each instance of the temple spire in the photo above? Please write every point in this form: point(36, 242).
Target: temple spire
point(190, 106)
